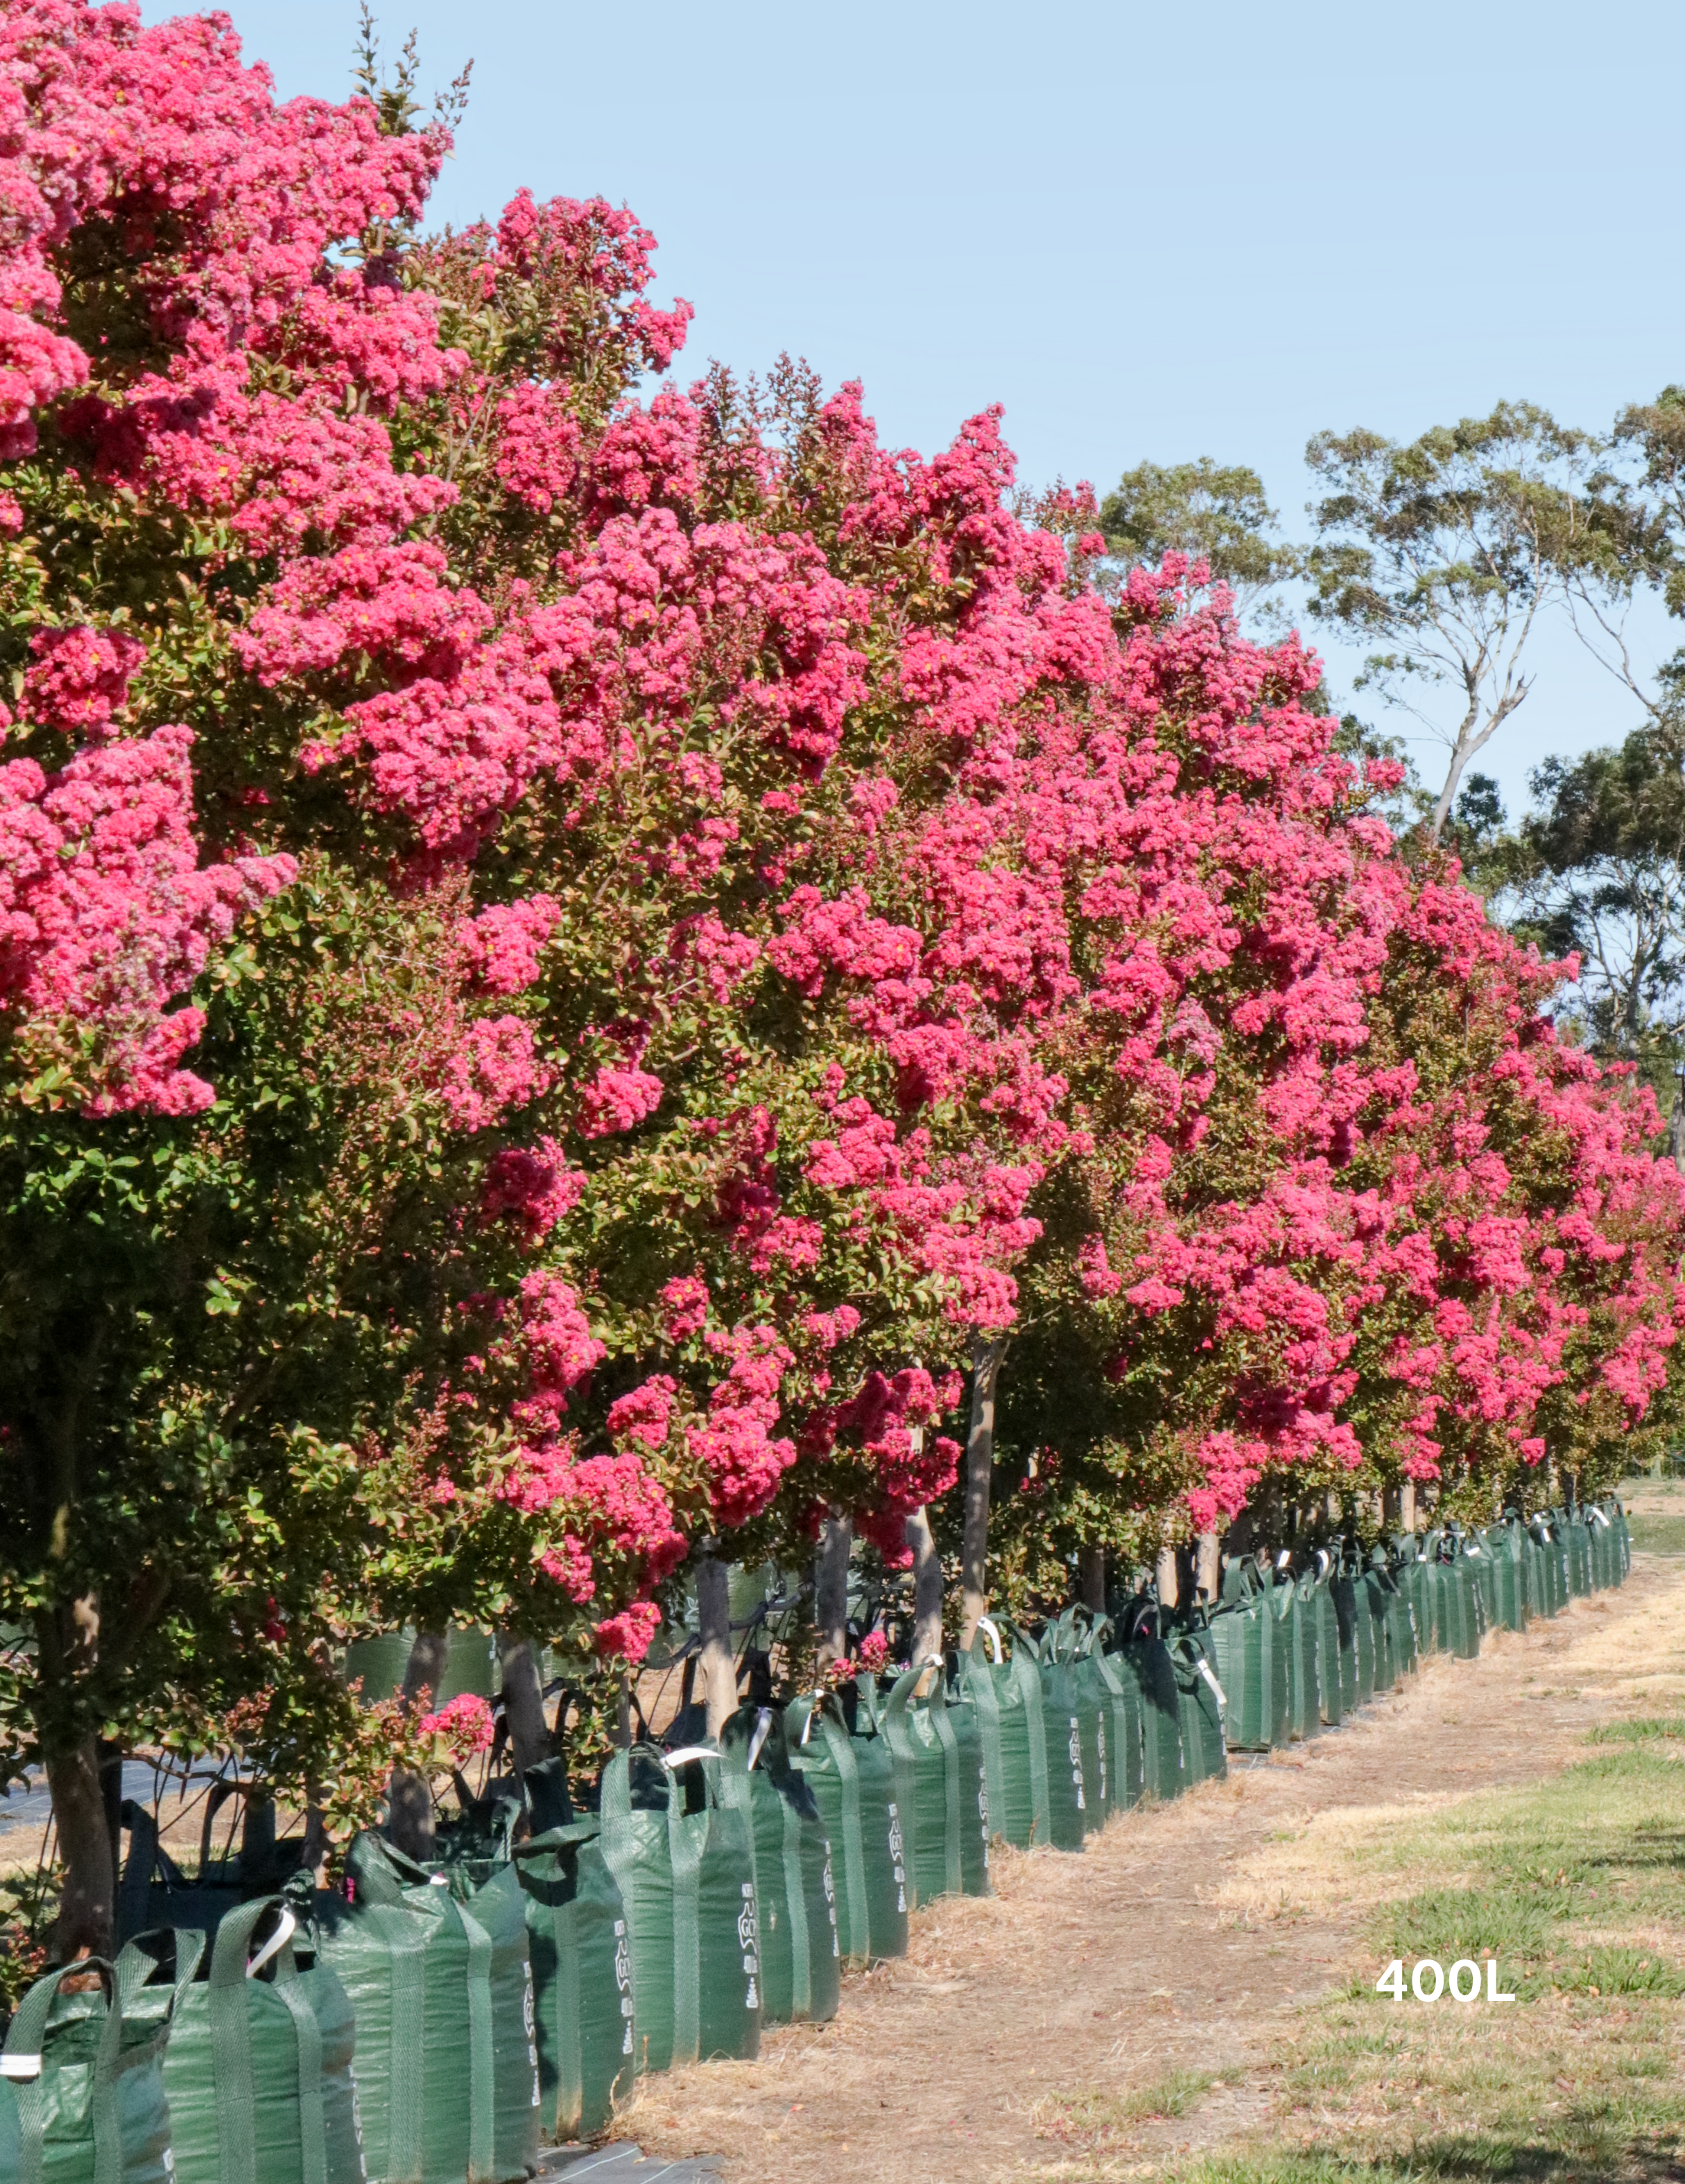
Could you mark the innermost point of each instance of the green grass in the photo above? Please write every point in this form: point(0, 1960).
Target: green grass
point(1097, 2121)
point(1578, 1885)
point(1636, 1732)
point(1658, 1536)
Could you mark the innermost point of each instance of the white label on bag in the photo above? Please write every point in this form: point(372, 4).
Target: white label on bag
point(19, 2066)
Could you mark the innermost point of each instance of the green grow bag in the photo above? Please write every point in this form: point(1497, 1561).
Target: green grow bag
point(937, 1794)
point(258, 2070)
point(1320, 1601)
point(974, 1829)
point(471, 1665)
point(1200, 1705)
point(1623, 1536)
point(1144, 1661)
point(1357, 1640)
point(1070, 1721)
point(377, 1954)
point(1389, 1601)
point(1601, 1535)
point(801, 1961)
point(1551, 1567)
point(1577, 1541)
point(154, 1892)
point(455, 2112)
point(1535, 1572)
point(82, 2099)
point(1372, 1600)
point(1477, 1552)
point(1606, 1568)
point(1008, 1698)
point(1414, 1575)
point(1458, 1609)
point(1505, 1547)
point(494, 1897)
point(685, 1860)
point(1066, 1684)
point(853, 1781)
point(1252, 1663)
point(581, 1978)
point(1294, 1601)
point(1116, 1697)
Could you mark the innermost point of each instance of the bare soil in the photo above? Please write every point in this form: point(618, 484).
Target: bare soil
point(1181, 1942)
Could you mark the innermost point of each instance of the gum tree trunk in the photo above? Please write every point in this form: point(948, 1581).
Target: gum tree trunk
point(980, 1473)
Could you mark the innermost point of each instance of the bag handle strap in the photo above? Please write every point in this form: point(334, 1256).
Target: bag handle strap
point(137, 1961)
point(481, 2055)
point(22, 2060)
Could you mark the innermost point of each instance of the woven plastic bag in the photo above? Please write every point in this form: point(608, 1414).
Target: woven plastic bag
point(1201, 1700)
point(258, 2064)
point(455, 2117)
point(800, 1958)
point(852, 1777)
point(581, 1978)
point(684, 1863)
point(1007, 1696)
point(82, 2099)
point(1117, 1697)
point(1145, 1658)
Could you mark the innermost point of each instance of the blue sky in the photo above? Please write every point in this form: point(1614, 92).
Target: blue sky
point(1149, 232)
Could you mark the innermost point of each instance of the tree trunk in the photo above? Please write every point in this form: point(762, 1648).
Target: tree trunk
point(1090, 1571)
point(926, 1587)
point(830, 1589)
point(1208, 1566)
point(87, 1904)
point(410, 1797)
point(622, 1725)
point(523, 1703)
point(1166, 1573)
point(979, 1474)
point(1676, 1129)
point(713, 1626)
point(67, 1649)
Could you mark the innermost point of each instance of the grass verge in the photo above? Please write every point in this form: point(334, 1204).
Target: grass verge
point(1657, 1534)
point(1577, 1887)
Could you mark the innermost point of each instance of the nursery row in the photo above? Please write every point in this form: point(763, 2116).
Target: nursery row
point(600, 978)
point(428, 2025)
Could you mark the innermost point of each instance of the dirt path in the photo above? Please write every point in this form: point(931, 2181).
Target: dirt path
point(1162, 1948)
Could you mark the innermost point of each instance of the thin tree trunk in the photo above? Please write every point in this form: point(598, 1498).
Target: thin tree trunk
point(410, 1797)
point(830, 1589)
point(713, 1627)
point(67, 1647)
point(530, 1742)
point(87, 1904)
point(1169, 1594)
point(979, 1475)
point(926, 1587)
point(1208, 1567)
point(1090, 1570)
point(622, 1726)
